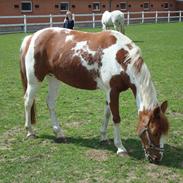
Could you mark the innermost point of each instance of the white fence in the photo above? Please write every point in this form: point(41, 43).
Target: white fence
point(27, 23)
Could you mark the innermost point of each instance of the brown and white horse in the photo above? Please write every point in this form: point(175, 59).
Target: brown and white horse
point(106, 60)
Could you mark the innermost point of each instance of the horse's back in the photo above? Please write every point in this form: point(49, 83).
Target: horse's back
point(117, 15)
point(106, 18)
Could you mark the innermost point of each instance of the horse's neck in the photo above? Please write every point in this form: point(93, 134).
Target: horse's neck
point(146, 97)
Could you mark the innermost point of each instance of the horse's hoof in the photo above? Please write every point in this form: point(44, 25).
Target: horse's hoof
point(61, 140)
point(123, 154)
point(31, 136)
point(105, 142)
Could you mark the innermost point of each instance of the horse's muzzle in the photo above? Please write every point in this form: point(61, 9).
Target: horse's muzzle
point(153, 158)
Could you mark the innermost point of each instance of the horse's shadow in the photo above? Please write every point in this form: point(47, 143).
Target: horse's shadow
point(173, 156)
point(138, 41)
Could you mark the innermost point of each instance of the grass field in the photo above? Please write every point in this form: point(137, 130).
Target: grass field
point(83, 159)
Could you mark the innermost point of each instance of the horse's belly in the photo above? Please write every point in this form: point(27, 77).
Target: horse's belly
point(77, 76)
point(109, 22)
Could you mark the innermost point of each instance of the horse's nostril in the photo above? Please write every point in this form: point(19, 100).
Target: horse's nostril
point(156, 161)
point(153, 160)
point(150, 159)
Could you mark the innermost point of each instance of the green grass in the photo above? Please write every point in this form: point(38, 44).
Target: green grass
point(83, 159)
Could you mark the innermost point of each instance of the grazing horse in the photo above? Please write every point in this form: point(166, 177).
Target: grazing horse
point(107, 60)
point(114, 18)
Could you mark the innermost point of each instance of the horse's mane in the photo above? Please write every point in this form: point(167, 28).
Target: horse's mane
point(146, 92)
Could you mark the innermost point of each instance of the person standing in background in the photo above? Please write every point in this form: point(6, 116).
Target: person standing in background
point(68, 21)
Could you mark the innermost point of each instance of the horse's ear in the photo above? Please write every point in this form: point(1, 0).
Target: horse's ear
point(156, 112)
point(164, 106)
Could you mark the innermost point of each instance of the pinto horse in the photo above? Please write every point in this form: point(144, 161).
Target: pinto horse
point(106, 60)
point(114, 18)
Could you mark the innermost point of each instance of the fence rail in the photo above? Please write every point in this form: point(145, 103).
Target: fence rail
point(28, 23)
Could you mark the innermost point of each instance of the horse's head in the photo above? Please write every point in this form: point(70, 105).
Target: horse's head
point(152, 127)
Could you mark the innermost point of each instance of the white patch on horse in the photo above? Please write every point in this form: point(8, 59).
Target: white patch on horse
point(117, 139)
point(69, 38)
point(110, 66)
point(162, 142)
point(67, 31)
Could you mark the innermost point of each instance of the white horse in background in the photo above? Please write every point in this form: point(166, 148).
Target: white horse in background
point(114, 18)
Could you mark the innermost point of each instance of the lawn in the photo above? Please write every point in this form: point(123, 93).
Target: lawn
point(83, 159)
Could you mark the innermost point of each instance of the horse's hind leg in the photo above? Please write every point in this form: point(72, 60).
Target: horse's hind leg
point(104, 27)
point(114, 106)
point(122, 28)
point(28, 103)
point(115, 27)
point(53, 87)
point(107, 114)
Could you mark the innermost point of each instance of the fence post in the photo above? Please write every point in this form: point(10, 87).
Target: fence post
point(142, 17)
point(25, 24)
point(51, 20)
point(128, 18)
point(93, 20)
point(168, 16)
point(156, 17)
point(180, 16)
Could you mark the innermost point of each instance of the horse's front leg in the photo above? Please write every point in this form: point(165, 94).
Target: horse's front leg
point(115, 27)
point(114, 106)
point(123, 28)
point(104, 27)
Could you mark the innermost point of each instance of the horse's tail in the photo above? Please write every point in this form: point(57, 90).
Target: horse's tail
point(23, 51)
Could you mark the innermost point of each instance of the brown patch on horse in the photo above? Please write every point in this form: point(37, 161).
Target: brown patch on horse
point(138, 64)
point(121, 58)
point(119, 83)
point(122, 82)
point(92, 59)
point(73, 73)
point(100, 39)
point(114, 105)
point(46, 52)
point(129, 46)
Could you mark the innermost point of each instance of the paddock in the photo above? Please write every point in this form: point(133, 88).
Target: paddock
point(83, 158)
